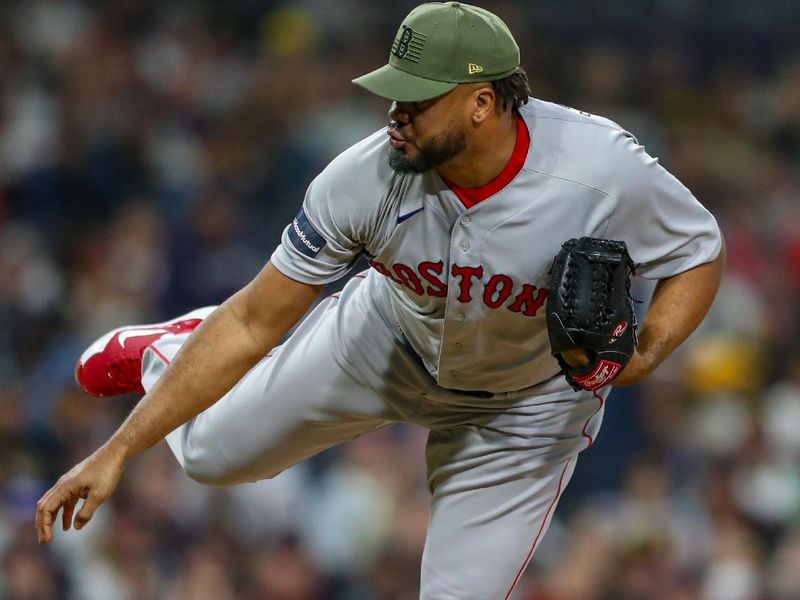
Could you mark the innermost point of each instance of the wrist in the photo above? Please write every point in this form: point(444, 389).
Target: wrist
point(118, 450)
point(637, 369)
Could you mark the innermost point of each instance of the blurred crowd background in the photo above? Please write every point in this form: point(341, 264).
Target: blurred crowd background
point(152, 151)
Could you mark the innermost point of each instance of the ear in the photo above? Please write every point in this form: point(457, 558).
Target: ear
point(484, 103)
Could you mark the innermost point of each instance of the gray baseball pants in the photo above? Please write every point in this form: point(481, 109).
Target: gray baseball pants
point(496, 465)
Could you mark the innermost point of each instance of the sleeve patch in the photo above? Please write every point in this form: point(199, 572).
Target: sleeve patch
point(304, 237)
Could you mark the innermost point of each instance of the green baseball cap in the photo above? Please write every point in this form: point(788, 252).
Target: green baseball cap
point(440, 45)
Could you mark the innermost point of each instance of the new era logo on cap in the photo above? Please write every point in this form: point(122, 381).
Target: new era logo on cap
point(472, 68)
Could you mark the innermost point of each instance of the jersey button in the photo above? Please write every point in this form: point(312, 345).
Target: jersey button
point(460, 317)
point(465, 220)
point(453, 373)
point(465, 246)
point(458, 346)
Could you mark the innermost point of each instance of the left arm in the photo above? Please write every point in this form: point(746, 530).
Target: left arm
point(678, 306)
point(666, 230)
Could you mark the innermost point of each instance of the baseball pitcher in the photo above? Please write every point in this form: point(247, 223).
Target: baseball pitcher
point(464, 323)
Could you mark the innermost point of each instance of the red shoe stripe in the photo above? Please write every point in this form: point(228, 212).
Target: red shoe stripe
point(159, 354)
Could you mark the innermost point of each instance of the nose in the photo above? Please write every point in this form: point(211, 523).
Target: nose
point(399, 112)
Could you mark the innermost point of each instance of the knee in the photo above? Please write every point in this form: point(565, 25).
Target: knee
point(206, 471)
point(210, 469)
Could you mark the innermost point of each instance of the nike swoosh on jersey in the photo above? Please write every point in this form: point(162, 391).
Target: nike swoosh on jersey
point(407, 216)
point(133, 333)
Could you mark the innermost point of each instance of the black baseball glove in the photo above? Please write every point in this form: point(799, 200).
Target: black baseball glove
point(589, 306)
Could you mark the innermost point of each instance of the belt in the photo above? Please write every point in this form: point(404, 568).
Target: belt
point(475, 393)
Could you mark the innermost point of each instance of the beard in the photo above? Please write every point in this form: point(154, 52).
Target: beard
point(435, 153)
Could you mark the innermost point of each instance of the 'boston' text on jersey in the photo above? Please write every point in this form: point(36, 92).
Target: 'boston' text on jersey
point(426, 279)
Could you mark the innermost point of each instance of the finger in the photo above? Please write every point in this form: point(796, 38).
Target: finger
point(38, 525)
point(68, 510)
point(48, 506)
point(575, 357)
point(93, 500)
point(45, 515)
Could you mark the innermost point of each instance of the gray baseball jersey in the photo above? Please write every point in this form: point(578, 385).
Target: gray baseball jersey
point(467, 285)
point(447, 331)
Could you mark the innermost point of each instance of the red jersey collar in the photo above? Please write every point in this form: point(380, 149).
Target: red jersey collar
point(471, 196)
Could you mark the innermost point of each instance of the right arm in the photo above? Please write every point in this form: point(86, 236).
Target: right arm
point(217, 355)
point(318, 247)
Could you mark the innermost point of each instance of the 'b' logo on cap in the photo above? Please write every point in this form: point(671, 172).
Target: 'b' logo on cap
point(408, 44)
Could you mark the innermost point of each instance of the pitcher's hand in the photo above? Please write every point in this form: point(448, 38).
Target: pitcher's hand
point(93, 479)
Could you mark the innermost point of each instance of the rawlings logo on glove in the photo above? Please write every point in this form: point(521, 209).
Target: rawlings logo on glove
point(589, 307)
